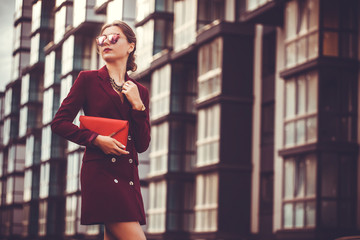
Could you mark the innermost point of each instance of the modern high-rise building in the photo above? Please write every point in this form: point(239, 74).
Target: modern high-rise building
point(254, 108)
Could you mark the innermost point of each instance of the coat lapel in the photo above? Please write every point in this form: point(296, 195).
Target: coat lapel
point(123, 108)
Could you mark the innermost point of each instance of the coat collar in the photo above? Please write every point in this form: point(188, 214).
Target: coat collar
point(124, 107)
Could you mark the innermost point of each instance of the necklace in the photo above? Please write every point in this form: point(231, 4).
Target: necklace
point(114, 85)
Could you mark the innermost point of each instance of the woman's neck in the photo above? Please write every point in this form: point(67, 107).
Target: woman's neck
point(117, 71)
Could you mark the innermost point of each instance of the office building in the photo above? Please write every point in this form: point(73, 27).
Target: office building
point(254, 109)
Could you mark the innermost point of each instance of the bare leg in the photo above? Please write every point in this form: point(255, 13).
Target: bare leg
point(125, 231)
point(107, 235)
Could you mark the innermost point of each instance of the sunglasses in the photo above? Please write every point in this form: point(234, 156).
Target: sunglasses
point(113, 38)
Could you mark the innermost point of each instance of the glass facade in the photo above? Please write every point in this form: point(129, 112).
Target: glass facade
point(253, 109)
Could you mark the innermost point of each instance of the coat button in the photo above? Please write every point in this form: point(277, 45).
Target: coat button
point(115, 180)
point(113, 159)
point(129, 137)
point(131, 183)
point(130, 160)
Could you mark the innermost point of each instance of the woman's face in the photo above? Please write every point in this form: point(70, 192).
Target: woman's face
point(115, 51)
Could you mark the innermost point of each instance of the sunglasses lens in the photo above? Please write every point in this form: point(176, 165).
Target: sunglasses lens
point(113, 38)
point(100, 40)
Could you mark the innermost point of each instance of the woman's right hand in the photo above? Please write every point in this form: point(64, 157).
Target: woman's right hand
point(110, 145)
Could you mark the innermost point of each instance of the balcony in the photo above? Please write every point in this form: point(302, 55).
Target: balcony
point(267, 12)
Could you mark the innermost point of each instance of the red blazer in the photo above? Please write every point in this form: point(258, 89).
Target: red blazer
point(93, 92)
point(110, 185)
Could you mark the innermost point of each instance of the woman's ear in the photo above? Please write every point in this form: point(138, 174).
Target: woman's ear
point(131, 48)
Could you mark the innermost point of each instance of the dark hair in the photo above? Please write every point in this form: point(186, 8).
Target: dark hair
point(131, 38)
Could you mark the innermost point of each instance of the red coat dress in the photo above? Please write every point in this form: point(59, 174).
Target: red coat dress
point(110, 186)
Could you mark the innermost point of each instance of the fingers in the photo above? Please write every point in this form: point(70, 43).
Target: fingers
point(119, 148)
point(119, 144)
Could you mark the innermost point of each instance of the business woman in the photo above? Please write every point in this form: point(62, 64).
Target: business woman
point(110, 187)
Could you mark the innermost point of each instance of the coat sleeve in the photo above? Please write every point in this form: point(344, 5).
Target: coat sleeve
point(62, 124)
point(141, 124)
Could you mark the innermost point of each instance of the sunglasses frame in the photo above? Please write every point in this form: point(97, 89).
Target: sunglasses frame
point(110, 37)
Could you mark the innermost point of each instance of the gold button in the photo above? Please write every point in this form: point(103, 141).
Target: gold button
point(116, 181)
point(130, 160)
point(113, 159)
point(131, 183)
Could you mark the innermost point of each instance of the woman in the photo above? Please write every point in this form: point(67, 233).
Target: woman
point(110, 187)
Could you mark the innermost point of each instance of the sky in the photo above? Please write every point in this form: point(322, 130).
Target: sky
point(6, 41)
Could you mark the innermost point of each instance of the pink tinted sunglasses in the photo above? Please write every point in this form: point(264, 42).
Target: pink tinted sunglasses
point(113, 38)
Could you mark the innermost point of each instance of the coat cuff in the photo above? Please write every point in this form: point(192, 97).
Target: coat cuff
point(138, 113)
point(91, 139)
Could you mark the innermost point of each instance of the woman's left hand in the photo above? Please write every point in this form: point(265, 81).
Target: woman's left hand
point(132, 94)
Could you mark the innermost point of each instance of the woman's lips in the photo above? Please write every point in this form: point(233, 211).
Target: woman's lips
point(107, 49)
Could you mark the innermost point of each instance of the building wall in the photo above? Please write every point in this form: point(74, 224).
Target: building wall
point(254, 107)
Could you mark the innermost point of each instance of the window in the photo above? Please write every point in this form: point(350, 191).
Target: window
point(145, 44)
point(208, 142)
point(51, 145)
point(36, 16)
point(22, 35)
point(43, 205)
point(254, 4)
point(19, 62)
point(71, 146)
point(209, 11)
point(160, 92)
point(70, 219)
point(183, 88)
point(23, 121)
point(63, 19)
point(340, 32)
point(185, 18)
point(16, 158)
point(85, 12)
point(72, 174)
point(337, 208)
point(301, 27)
point(31, 185)
point(52, 68)
point(17, 221)
point(157, 209)
point(66, 84)
point(29, 118)
point(206, 202)
point(189, 204)
point(210, 69)
point(123, 10)
point(44, 180)
point(14, 189)
point(82, 51)
point(159, 149)
point(35, 49)
point(147, 7)
point(27, 185)
point(8, 101)
point(9, 190)
point(163, 35)
point(299, 208)
point(182, 146)
point(301, 98)
point(67, 61)
point(25, 82)
point(48, 106)
point(22, 9)
point(33, 148)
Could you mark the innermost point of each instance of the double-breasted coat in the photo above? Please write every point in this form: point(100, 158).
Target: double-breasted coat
point(110, 187)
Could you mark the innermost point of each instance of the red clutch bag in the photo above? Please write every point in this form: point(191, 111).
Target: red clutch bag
point(115, 128)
